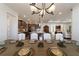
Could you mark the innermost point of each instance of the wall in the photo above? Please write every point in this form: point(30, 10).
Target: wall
point(3, 27)
point(64, 26)
point(75, 23)
point(12, 27)
point(4, 10)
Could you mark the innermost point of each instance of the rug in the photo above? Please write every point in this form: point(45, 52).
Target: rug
point(50, 53)
point(3, 49)
point(31, 53)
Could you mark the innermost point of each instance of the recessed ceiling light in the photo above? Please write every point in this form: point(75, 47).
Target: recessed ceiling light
point(60, 13)
point(24, 15)
point(25, 3)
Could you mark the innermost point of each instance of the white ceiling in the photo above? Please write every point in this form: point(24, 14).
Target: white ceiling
point(24, 9)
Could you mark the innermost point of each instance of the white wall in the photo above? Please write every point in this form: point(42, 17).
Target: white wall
point(4, 10)
point(3, 27)
point(75, 23)
point(64, 26)
point(12, 27)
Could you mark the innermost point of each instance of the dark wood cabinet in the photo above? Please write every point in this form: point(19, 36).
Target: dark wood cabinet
point(46, 29)
point(22, 25)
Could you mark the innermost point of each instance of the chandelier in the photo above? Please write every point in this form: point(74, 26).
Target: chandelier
point(43, 10)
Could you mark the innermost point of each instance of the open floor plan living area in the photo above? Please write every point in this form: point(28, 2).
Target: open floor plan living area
point(39, 29)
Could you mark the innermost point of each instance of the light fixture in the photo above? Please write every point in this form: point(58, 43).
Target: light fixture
point(41, 11)
point(60, 13)
point(24, 15)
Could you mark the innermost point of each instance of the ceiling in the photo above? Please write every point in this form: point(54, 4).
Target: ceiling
point(24, 9)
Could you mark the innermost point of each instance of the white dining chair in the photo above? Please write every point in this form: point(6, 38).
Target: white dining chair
point(21, 36)
point(47, 37)
point(59, 37)
point(33, 37)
